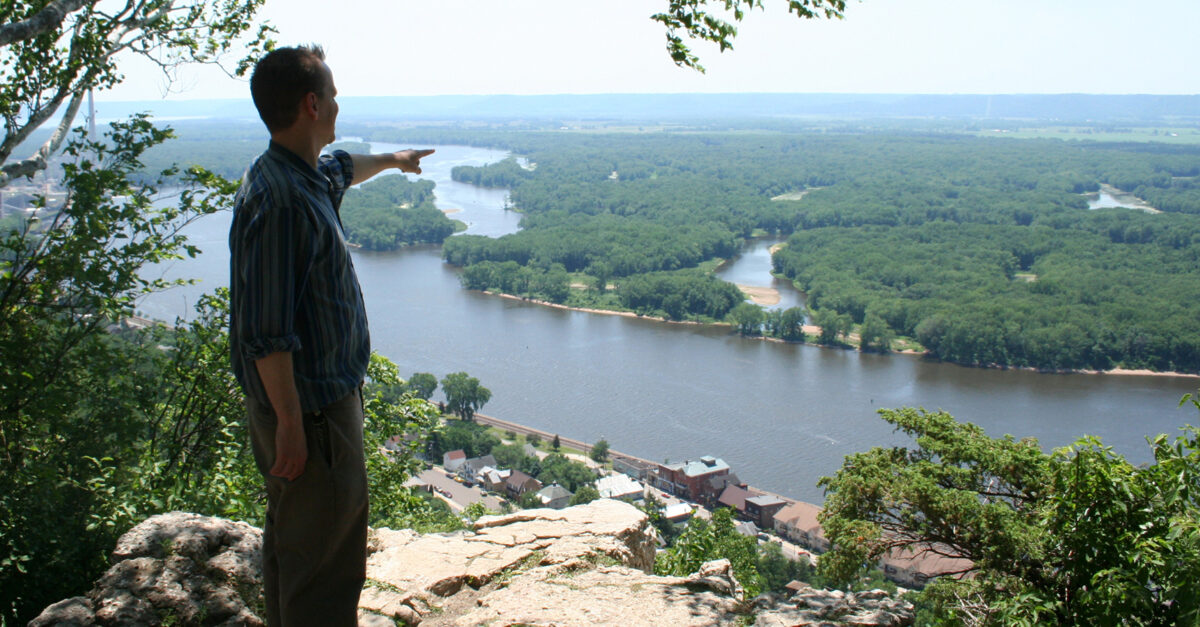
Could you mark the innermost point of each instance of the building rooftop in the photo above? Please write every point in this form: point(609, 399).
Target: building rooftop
point(766, 501)
point(746, 528)
point(677, 510)
point(735, 497)
point(719, 482)
point(552, 492)
point(697, 468)
point(618, 485)
point(475, 464)
point(803, 516)
point(926, 561)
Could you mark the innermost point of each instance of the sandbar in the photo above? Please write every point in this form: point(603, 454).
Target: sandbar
point(760, 295)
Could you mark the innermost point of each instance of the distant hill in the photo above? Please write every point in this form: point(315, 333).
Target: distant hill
point(1059, 107)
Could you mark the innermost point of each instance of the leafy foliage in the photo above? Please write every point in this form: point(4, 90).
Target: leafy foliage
point(464, 395)
point(778, 570)
point(572, 475)
point(748, 318)
point(78, 404)
point(695, 20)
point(408, 422)
point(584, 495)
point(983, 250)
point(667, 530)
point(57, 50)
point(1079, 536)
point(391, 211)
point(705, 541)
point(599, 451)
point(422, 384)
point(472, 438)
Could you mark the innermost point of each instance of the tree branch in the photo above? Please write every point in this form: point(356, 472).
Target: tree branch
point(39, 160)
point(47, 19)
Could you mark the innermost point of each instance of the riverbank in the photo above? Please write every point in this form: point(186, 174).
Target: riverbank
point(606, 312)
point(586, 447)
point(813, 330)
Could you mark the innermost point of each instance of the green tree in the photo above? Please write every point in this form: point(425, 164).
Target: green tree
point(601, 272)
point(529, 500)
point(791, 324)
point(509, 456)
point(1079, 536)
point(472, 438)
point(422, 385)
point(556, 468)
point(693, 19)
point(584, 495)
point(57, 51)
point(556, 444)
point(464, 395)
point(599, 452)
point(704, 541)
point(748, 318)
point(78, 408)
point(777, 570)
point(833, 325)
point(666, 529)
point(875, 334)
point(79, 399)
point(415, 420)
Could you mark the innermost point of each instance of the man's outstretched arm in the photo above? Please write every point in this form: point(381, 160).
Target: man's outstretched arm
point(366, 166)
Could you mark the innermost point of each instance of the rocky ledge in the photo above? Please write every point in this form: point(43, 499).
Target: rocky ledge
point(584, 565)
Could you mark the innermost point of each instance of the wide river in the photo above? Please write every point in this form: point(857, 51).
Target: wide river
point(782, 415)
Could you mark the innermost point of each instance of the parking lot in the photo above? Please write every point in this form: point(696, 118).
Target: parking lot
point(456, 494)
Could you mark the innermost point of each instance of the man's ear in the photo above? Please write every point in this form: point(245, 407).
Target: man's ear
point(308, 106)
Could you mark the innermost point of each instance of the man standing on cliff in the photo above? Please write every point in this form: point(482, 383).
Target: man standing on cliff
point(299, 342)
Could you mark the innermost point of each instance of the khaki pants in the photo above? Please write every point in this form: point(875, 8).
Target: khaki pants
point(315, 540)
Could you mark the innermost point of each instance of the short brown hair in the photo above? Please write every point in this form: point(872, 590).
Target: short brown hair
point(282, 78)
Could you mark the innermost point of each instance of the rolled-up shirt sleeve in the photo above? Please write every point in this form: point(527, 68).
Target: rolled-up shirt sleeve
point(276, 256)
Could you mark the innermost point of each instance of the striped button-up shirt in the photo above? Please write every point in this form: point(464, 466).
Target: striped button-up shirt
point(292, 283)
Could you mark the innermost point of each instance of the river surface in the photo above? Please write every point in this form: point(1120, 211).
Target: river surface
point(781, 415)
point(752, 267)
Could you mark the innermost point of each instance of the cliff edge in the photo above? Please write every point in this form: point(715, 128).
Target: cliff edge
point(584, 565)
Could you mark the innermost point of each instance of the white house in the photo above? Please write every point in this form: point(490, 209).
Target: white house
point(453, 460)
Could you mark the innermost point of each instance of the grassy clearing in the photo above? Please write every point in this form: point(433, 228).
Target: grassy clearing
point(1166, 135)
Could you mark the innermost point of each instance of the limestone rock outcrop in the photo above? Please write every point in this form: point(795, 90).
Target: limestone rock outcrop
point(584, 565)
point(175, 568)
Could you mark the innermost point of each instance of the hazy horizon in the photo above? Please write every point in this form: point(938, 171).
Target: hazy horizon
point(544, 47)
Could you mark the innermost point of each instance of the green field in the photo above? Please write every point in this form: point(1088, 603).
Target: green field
point(1166, 135)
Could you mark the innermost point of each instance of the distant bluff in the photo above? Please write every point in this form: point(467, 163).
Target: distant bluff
point(584, 565)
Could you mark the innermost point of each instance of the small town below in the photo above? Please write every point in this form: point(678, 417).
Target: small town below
point(672, 493)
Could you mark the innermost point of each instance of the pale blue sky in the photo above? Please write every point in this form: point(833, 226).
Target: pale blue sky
point(433, 47)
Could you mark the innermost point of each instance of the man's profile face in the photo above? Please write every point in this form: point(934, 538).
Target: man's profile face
point(327, 107)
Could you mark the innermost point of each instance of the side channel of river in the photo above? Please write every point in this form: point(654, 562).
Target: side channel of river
point(782, 415)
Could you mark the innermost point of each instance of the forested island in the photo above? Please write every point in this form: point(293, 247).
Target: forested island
point(392, 211)
point(983, 250)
